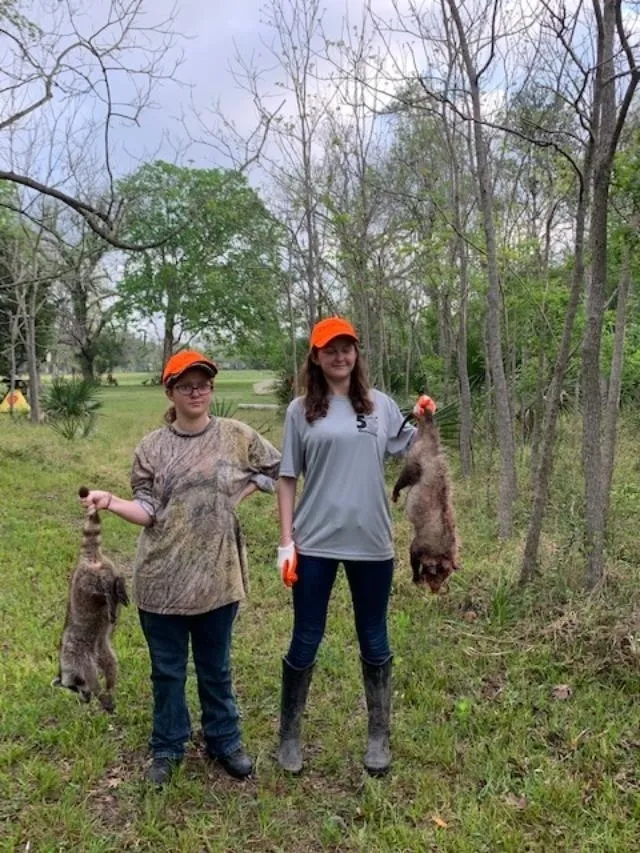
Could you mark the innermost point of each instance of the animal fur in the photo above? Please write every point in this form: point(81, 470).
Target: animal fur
point(434, 549)
point(96, 592)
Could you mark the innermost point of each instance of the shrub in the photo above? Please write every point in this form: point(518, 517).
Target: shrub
point(71, 406)
point(222, 408)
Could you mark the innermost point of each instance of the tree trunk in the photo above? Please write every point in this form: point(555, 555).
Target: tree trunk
point(460, 261)
point(169, 324)
point(544, 469)
point(466, 457)
point(310, 265)
point(538, 413)
point(604, 124)
point(32, 357)
point(85, 359)
point(409, 361)
point(615, 384)
point(13, 342)
point(506, 441)
point(294, 341)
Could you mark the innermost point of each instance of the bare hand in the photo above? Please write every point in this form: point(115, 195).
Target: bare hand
point(97, 499)
point(248, 490)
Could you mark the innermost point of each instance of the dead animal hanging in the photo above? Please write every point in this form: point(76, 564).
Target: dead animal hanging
point(434, 549)
point(96, 592)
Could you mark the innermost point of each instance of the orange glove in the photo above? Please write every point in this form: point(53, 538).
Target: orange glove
point(287, 563)
point(424, 404)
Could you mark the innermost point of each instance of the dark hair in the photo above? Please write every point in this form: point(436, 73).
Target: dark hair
point(170, 415)
point(316, 396)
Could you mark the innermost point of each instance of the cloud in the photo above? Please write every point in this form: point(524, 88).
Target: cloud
point(212, 35)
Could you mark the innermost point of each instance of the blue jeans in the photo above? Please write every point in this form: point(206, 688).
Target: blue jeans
point(370, 585)
point(168, 639)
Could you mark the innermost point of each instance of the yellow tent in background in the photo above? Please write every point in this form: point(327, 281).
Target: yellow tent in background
point(17, 400)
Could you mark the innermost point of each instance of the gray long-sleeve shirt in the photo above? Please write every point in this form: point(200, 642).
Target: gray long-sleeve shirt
point(192, 559)
point(343, 511)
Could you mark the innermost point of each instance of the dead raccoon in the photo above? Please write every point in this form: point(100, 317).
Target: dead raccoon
point(96, 592)
point(434, 550)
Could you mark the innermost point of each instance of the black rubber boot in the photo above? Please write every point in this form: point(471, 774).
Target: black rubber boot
point(295, 686)
point(377, 686)
point(161, 770)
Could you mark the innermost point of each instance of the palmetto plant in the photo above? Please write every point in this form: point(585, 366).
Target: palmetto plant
point(71, 406)
point(447, 419)
point(223, 408)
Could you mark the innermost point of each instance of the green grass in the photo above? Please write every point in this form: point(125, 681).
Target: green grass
point(485, 758)
point(236, 385)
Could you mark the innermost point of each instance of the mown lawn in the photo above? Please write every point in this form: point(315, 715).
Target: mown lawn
point(489, 753)
point(233, 385)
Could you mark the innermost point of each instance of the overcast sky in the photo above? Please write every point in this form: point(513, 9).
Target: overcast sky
point(213, 30)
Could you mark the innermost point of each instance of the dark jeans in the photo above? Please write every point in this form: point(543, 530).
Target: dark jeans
point(168, 640)
point(370, 585)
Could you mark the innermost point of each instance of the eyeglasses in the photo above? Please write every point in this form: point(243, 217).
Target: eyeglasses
point(186, 389)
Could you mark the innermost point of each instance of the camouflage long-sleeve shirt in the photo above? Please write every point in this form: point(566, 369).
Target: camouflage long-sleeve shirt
point(192, 559)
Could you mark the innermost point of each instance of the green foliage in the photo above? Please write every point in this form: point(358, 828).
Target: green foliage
point(481, 744)
point(217, 273)
point(108, 349)
point(284, 388)
point(20, 257)
point(221, 407)
point(71, 406)
point(447, 419)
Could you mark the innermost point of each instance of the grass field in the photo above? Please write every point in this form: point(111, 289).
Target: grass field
point(492, 752)
point(235, 385)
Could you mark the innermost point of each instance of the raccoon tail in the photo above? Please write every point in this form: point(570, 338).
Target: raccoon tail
point(91, 531)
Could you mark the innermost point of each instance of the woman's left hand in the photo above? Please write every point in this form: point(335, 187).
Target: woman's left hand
point(248, 490)
point(424, 404)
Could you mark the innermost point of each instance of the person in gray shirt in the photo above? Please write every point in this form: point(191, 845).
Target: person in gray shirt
point(336, 437)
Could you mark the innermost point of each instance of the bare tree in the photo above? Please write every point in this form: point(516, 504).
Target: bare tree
point(86, 300)
point(361, 227)
point(615, 379)
point(28, 281)
point(596, 76)
point(475, 66)
point(615, 79)
point(83, 78)
point(291, 110)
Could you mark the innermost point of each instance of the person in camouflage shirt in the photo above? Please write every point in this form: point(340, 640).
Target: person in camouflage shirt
point(190, 569)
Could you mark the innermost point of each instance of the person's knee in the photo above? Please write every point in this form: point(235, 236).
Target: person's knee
point(374, 646)
point(303, 650)
point(168, 667)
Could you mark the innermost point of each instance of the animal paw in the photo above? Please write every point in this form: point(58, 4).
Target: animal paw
point(107, 703)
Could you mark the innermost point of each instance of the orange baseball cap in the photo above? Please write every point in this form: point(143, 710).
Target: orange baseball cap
point(182, 361)
point(330, 328)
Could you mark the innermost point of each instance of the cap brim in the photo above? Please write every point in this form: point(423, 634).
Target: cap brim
point(323, 341)
point(208, 368)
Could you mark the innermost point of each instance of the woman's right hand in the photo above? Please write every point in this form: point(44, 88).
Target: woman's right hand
point(287, 563)
point(97, 499)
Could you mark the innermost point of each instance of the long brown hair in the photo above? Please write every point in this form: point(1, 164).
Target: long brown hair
point(316, 397)
point(170, 415)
